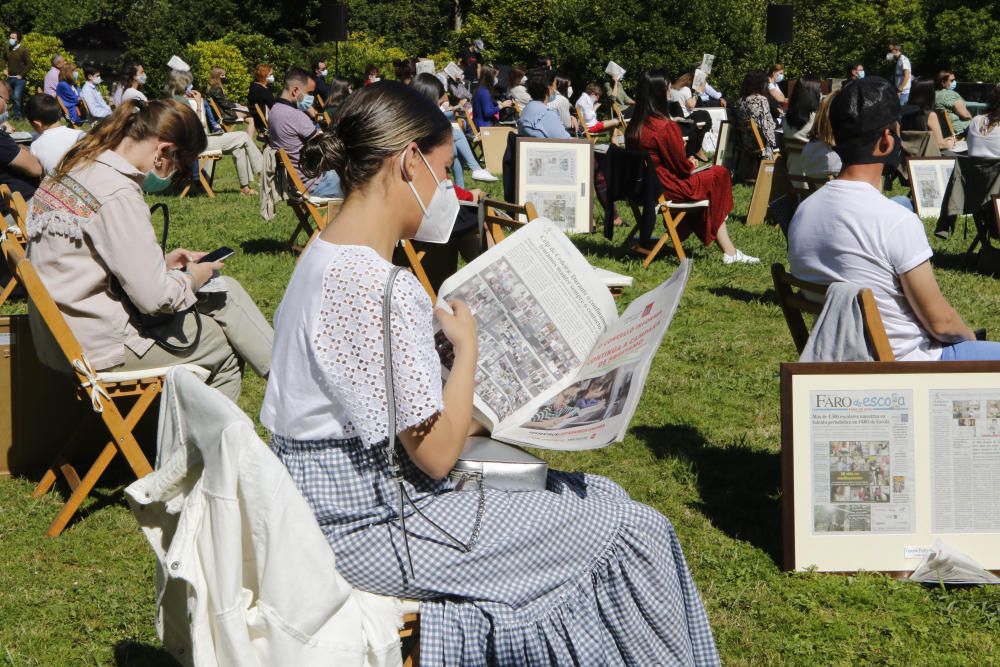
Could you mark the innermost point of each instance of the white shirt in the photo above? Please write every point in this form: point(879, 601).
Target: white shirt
point(982, 141)
point(585, 103)
point(561, 106)
point(903, 65)
point(327, 376)
point(818, 159)
point(96, 105)
point(133, 94)
point(681, 97)
point(52, 144)
point(849, 232)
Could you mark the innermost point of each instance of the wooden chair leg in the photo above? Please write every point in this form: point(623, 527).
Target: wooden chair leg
point(185, 191)
point(672, 223)
point(60, 464)
point(204, 182)
point(418, 269)
point(651, 255)
point(5, 294)
point(76, 499)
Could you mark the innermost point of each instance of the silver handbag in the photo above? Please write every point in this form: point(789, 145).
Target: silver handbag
point(490, 464)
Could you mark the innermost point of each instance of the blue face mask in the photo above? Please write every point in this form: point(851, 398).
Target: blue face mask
point(12, 42)
point(861, 74)
point(953, 85)
point(3, 116)
point(779, 78)
point(307, 102)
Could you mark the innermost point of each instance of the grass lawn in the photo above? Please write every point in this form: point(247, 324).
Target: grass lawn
point(703, 449)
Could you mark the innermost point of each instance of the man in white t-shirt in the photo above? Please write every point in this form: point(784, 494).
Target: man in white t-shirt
point(904, 73)
point(54, 139)
point(848, 231)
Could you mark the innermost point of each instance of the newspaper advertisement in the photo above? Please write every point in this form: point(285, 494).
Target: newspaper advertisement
point(559, 207)
point(862, 461)
point(965, 461)
point(552, 167)
point(557, 367)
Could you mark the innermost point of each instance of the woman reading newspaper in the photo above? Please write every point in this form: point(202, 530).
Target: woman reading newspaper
point(575, 574)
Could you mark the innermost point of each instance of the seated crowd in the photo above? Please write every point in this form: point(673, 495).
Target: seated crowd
point(613, 566)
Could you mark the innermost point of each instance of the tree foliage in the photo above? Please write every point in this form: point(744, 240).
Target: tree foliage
point(36, 43)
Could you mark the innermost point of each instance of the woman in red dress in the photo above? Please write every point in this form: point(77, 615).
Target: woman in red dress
point(651, 130)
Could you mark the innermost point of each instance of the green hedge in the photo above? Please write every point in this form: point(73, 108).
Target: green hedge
point(203, 56)
point(42, 48)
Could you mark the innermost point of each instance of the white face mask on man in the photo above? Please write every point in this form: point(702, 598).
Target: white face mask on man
point(440, 214)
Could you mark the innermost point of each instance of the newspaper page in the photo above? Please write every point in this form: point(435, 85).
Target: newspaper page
point(862, 461)
point(965, 461)
point(707, 59)
point(540, 308)
point(593, 409)
point(614, 69)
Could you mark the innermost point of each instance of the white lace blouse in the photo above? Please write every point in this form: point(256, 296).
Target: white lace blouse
point(327, 377)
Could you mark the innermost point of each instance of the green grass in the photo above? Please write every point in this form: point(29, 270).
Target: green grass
point(703, 449)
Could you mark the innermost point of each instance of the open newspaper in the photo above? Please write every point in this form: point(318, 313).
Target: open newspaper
point(557, 368)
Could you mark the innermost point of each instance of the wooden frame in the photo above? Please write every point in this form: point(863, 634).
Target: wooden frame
point(929, 178)
point(793, 304)
point(102, 395)
point(262, 114)
point(724, 145)
point(493, 145)
point(498, 215)
point(906, 388)
point(14, 202)
point(761, 196)
point(205, 178)
point(565, 197)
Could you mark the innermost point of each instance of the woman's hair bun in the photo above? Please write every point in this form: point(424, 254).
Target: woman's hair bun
point(322, 153)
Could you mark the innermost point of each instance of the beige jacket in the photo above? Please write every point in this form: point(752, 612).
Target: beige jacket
point(92, 243)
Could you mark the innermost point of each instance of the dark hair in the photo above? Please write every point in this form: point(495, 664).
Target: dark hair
point(296, 75)
point(373, 125)
point(942, 78)
point(861, 112)
point(853, 66)
point(42, 108)
point(544, 62)
point(922, 93)
point(754, 83)
point(993, 105)
point(340, 88)
point(404, 70)
point(429, 86)
point(315, 64)
point(169, 120)
point(651, 101)
point(776, 67)
point(539, 81)
point(90, 70)
point(562, 85)
point(370, 69)
point(515, 75)
point(805, 100)
point(129, 72)
point(488, 78)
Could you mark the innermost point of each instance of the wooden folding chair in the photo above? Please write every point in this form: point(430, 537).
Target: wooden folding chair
point(226, 127)
point(793, 297)
point(673, 214)
point(83, 109)
point(305, 206)
point(101, 389)
point(14, 203)
point(262, 114)
point(617, 111)
point(462, 116)
point(499, 215)
point(947, 128)
point(583, 126)
point(205, 177)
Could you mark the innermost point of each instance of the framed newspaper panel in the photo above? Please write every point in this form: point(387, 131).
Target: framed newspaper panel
point(557, 176)
point(880, 460)
point(929, 178)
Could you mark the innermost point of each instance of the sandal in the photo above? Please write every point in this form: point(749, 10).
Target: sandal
point(248, 191)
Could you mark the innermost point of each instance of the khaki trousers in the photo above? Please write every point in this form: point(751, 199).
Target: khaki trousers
point(248, 158)
point(233, 331)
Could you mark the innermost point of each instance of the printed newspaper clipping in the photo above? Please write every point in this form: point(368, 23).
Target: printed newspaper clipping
point(862, 461)
point(965, 461)
point(557, 368)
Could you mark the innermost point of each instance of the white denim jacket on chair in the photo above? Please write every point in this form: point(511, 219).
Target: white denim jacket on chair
point(245, 576)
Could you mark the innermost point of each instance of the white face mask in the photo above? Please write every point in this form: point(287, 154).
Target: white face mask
point(97, 80)
point(779, 77)
point(141, 79)
point(270, 78)
point(524, 80)
point(890, 56)
point(569, 92)
point(324, 72)
point(440, 214)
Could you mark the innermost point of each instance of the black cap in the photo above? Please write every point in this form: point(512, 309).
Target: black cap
point(862, 108)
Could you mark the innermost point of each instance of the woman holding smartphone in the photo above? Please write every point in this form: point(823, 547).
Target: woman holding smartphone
point(577, 573)
point(92, 242)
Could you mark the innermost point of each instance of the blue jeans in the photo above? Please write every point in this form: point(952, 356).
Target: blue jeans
point(972, 350)
point(903, 98)
point(463, 154)
point(16, 94)
point(905, 202)
point(328, 185)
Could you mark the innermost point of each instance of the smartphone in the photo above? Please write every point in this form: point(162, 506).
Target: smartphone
point(218, 255)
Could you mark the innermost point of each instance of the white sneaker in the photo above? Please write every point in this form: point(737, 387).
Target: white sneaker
point(739, 258)
point(483, 175)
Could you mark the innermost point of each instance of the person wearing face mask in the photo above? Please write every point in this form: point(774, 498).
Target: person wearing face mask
point(292, 125)
point(776, 98)
point(517, 87)
point(848, 231)
point(92, 243)
point(319, 76)
point(949, 101)
point(231, 112)
point(538, 120)
point(260, 93)
point(132, 78)
point(17, 66)
point(585, 549)
point(903, 73)
point(19, 169)
point(560, 103)
point(52, 76)
point(91, 95)
point(856, 71)
point(67, 91)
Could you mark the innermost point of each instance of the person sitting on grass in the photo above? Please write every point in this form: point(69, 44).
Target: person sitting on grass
point(54, 138)
point(848, 231)
point(588, 103)
point(652, 131)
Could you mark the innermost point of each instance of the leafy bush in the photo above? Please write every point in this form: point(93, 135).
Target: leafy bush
point(42, 48)
point(257, 49)
point(203, 56)
point(358, 51)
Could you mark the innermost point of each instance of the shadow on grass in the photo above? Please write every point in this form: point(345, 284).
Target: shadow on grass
point(954, 261)
point(739, 486)
point(130, 653)
point(264, 247)
point(769, 295)
point(599, 246)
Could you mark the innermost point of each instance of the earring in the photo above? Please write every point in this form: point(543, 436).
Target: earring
point(157, 162)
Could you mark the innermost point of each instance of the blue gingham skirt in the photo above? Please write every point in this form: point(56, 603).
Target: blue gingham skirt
point(578, 574)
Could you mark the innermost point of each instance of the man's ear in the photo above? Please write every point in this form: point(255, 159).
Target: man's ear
point(37, 125)
point(884, 145)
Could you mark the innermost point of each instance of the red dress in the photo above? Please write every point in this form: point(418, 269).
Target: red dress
point(662, 140)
